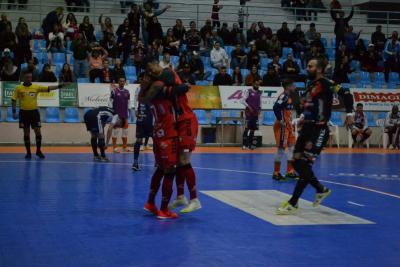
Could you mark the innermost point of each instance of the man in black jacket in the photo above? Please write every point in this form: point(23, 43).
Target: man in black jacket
point(222, 78)
point(341, 23)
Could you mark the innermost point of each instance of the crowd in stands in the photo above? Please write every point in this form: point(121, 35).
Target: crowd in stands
point(215, 52)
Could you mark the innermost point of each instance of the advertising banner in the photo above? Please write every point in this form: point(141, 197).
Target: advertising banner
point(98, 94)
point(204, 97)
point(376, 99)
point(50, 99)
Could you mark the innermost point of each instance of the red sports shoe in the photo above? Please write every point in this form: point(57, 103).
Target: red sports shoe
point(166, 214)
point(152, 208)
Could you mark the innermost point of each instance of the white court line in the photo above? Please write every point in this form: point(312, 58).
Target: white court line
point(354, 203)
point(201, 168)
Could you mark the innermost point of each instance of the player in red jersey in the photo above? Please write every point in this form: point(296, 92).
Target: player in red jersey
point(187, 135)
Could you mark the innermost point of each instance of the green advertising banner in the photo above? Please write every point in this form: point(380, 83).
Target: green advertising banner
point(8, 89)
point(69, 96)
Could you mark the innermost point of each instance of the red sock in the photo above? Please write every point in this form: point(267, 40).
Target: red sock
point(180, 180)
point(155, 185)
point(191, 181)
point(167, 191)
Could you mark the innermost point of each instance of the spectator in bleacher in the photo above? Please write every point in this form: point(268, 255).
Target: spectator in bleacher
point(9, 72)
point(215, 14)
point(271, 78)
point(122, 31)
point(222, 78)
point(378, 39)
point(134, 17)
point(392, 127)
point(284, 35)
point(138, 57)
point(300, 9)
point(359, 129)
point(218, 57)
point(98, 55)
point(193, 38)
point(207, 28)
point(252, 76)
point(30, 68)
point(66, 74)
point(370, 60)
point(171, 44)
point(179, 30)
point(253, 57)
point(263, 30)
point(318, 44)
point(341, 23)
point(242, 14)
point(110, 45)
point(225, 35)
point(342, 69)
point(56, 41)
point(238, 58)
point(275, 64)
point(291, 69)
point(55, 17)
point(106, 27)
point(237, 77)
point(106, 72)
point(215, 38)
point(312, 33)
point(118, 71)
point(391, 55)
point(8, 40)
point(300, 48)
point(124, 41)
point(274, 47)
point(148, 19)
point(155, 30)
point(186, 76)
point(182, 62)
point(359, 50)
point(71, 27)
point(23, 52)
point(237, 35)
point(197, 67)
point(165, 63)
point(262, 45)
point(80, 50)
point(153, 52)
point(296, 34)
point(252, 33)
point(4, 22)
point(351, 38)
point(87, 29)
point(47, 75)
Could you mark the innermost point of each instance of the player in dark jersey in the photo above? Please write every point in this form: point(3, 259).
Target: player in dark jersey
point(95, 120)
point(317, 107)
point(144, 126)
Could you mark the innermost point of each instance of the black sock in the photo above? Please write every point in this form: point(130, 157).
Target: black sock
point(251, 137)
point(146, 141)
point(136, 151)
point(245, 137)
point(38, 142)
point(93, 142)
point(27, 142)
point(102, 144)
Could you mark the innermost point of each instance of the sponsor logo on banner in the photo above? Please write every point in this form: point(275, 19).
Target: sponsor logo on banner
point(50, 99)
point(231, 96)
point(98, 94)
point(376, 100)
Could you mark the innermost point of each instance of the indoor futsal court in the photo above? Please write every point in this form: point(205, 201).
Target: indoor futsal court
point(70, 211)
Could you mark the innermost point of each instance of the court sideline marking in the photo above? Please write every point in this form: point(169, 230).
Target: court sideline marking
point(200, 168)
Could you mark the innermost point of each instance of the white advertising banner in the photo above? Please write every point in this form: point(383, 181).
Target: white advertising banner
point(50, 99)
point(98, 94)
point(376, 99)
point(231, 96)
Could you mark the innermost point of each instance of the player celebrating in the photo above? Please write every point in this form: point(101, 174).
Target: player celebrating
point(252, 101)
point(121, 104)
point(317, 105)
point(283, 130)
point(29, 116)
point(95, 120)
point(144, 126)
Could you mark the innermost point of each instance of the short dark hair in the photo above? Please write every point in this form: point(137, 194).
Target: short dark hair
point(360, 105)
point(287, 82)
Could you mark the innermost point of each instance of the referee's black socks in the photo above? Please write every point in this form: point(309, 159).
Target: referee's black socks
point(136, 151)
point(38, 142)
point(93, 142)
point(27, 143)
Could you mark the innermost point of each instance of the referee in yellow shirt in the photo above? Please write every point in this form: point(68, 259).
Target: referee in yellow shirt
point(29, 115)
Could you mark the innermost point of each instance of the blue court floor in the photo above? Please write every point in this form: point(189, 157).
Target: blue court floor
point(69, 211)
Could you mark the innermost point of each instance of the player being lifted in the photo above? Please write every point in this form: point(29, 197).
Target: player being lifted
point(144, 125)
point(120, 102)
point(252, 101)
point(283, 130)
point(317, 107)
point(29, 116)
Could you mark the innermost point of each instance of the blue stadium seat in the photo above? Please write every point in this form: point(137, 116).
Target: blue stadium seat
point(132, 120)
point(244, 72)
point(206, 61)
point(58, 58)
point(214, 115)
point(201, 116)
point(264, 63)
point(59, 67)
point(53, 115)
point(377, 85)
point(391, 86)
point(213, 73)
point(268, 118)
point(336, 118)
point(174, 60)
point(324, 42)
point(379, 77)
point(97, 80)
point(300, 85)
point(371, 119)
point(130, 71)
point(333, 42)
point(83, 80)
point(68, 46)
point(355, 65)
point(10, 116)
point(366, 42)
point(229, 71)
point(382, 115)
point(235, 114)
point(71, 115)
point(229, 50)
point(346, 85)
point(393, 77)
point(262, 73)
point(98, 36)
point(353, 77)
point(203, 83)
point(362, 85)
point(286, 51)
point(331, 53)
point(365, 77)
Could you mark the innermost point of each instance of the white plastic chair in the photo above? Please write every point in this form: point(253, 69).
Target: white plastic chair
point(381, 123)
point(335, 132)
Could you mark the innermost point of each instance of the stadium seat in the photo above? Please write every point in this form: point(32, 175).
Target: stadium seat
point(331, 53)
point(202, 83)
point(355, 65)
point(130, 71)
point(333, 42)
point(262, 73)
point(235, 114)
point(393, 77)
point(58, 58)
point(379, 77)
point(365, 77)
point(268, 118)
point(201, 116)
point(391, 86)
point(229, 50)
point(286, 51)
point(174, 60)
point(97, 80)
point(377, 85)
point(206, 61)
point(229, 71)
point(324, 42)
point(132, 120)
point(336, 118)
point(83, 80)
point(381, 115)
point(214, 114)
point(346, 85)
point(300, 85)
point(71, 115)
point(53, 115)
point(213, 73)
point(10, 116)
point(366, 42)
point(59, 67)
point(371, 119)
point(68, 46)
point(244, 72)
point(353, 77)
point(264, 63)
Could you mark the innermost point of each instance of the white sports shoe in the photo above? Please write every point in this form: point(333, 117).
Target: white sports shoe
point(178, 202)
point(116, 150)
point(287, 209)
point(194, 204)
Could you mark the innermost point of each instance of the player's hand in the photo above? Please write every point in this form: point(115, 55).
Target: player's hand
point(14, 115)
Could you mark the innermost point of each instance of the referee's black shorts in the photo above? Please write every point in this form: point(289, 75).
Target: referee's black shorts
point(29, 118)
